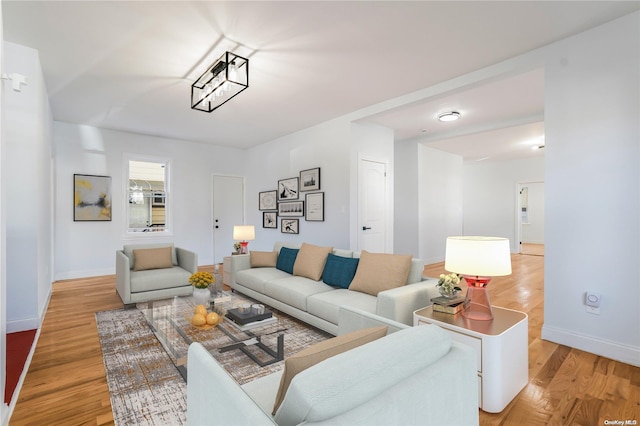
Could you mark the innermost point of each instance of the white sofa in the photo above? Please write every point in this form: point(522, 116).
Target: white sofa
point(317, 303)
point(172, 279)
point(413, 376)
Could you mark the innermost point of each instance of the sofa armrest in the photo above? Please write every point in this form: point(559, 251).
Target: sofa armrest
point(399, 303)
point(214, 398)
point(123, 276)
point(239, 262)
point(187, 260)
point(352, 319)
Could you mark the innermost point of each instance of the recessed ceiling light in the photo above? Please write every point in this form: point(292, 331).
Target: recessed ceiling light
point(449, 116)
point(536, 147)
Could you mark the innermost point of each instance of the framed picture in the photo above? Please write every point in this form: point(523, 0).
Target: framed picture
point(289, 226)
point(270, 220)
point(291, 209)
point(310, 179)
point(268, 200)
point(288, 189)
point(91, 198)
point(314, 204)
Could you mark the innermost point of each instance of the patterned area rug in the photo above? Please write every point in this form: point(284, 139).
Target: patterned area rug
point(144, 385)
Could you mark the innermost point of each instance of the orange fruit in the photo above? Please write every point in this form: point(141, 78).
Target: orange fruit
point(198, 319)
point(200, 309)
point(213, 318)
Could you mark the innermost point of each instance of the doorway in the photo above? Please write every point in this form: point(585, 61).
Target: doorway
point(530, 210)
point(373, 216)
point(228, 210)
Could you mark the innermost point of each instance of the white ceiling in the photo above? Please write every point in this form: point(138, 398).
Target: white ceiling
point(129, 65)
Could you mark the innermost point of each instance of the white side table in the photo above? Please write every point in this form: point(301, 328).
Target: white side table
point(502, 346)
point(226, 270)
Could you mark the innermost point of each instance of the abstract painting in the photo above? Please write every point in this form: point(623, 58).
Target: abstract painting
point(91, 198)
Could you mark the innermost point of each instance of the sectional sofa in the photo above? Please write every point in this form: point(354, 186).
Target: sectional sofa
point(312, 282)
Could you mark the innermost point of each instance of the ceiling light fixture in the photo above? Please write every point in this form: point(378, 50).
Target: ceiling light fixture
point(223, 80)
point(449, 116)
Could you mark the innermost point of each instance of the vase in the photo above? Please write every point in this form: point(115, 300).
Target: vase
point(201, 295)
point(448, 294)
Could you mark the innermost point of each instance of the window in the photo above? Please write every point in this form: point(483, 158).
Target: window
point(148, 200)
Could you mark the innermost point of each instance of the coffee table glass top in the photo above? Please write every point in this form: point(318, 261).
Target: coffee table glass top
point(169, 319)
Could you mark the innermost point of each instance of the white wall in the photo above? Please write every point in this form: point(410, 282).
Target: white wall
point(406, 203)
point(533, 230)
point(4, 411)
point(490, 191)
point(88, 248)
point(27, 170)
point(441, 201)
point(592, 186)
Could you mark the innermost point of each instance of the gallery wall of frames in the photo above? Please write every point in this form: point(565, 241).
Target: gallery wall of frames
point(294, 198)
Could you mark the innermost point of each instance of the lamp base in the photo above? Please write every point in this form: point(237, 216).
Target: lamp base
point(476, 304)
point(243, 247)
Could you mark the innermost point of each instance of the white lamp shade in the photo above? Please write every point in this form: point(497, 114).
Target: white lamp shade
point(479, 256)
point(244, 233)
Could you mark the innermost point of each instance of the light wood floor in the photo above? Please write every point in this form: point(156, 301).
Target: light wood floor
point(66, 384)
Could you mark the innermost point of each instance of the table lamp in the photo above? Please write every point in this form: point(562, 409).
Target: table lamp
point(244, 234)
point(478, 259)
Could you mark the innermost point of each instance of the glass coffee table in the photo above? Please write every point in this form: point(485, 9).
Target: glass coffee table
point(169, 319)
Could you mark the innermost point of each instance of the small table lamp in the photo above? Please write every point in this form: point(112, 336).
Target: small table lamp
point(244, 234)
point(478, 259)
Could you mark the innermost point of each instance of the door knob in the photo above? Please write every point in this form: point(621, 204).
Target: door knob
point(364, 228)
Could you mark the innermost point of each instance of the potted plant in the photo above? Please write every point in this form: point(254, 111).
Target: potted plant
point(448, 285)
point(201, 281)
point(236, 248)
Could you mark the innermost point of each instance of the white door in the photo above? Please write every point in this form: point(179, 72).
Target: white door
point(372, 206)
point(228, 210)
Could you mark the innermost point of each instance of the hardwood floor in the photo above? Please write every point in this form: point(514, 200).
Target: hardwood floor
point(66, 384)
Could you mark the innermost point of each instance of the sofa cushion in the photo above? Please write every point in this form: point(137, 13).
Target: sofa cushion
point(310, 261)
point(256, 277)
point(158, 279)
point(352, 378)
point(380, 271)
point(294, 291)
point(339, 271)
point(286, 259)
point(326, 305)
point(129, 248)
point(263, 259)
point(320, 351)
point(152, 258)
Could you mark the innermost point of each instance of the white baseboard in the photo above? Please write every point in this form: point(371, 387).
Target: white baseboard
point(616, 351)
point(72, 275)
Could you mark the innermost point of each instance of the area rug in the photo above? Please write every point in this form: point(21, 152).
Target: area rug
point(145, 387)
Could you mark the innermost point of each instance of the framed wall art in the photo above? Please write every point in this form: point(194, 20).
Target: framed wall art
point(310, 180)
point(289, 226)
point(268, 200)
point(288, 189)
point(91, 198)
point(270, 220)
point(314, 204)
point(291, 209)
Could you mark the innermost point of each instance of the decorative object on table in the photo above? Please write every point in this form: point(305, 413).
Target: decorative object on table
point(310, 180)
point(314, 204)
point(236, 248)
point(291, 209)
point(201, 281)
point(478, 259)
point(448, 285)
point(268, 200)
point(202, 318)
point(289, 226)
point(447, 305)
point(270, 220)
point(288, 189)
point(91, 198)
point(223, 80)
point(244, 234)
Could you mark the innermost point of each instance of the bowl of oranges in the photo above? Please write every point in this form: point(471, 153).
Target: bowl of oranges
point(201, 318)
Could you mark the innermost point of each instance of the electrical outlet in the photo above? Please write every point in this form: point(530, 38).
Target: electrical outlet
point(592, 310)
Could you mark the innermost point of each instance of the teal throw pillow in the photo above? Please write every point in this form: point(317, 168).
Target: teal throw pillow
point(339, 271)
point(286, 259)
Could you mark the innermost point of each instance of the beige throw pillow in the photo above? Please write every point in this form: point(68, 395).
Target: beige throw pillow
point(263, 259)
point(380, 271)
point(310, 261)
point(154, 258)
point(319, 352)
